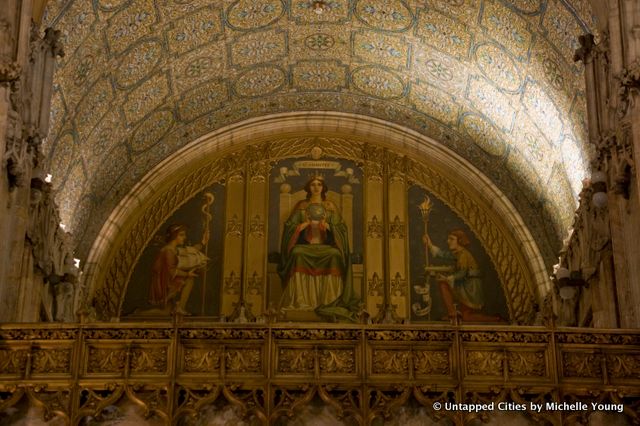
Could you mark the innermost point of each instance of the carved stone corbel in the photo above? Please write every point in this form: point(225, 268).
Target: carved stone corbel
point(257, 158)
point(373, 158)
point(622, 162)
point(583, 251)
point(629, 88)
point(17, 154)
point(64, 293)
point(9, 71)
point(586, 49)
point(614, 156)
point(396, 165)
point(52, 40)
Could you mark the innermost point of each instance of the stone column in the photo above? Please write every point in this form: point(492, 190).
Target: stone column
point(612, 72)
point(14, 164)
point(26, 77)
point(624, 158)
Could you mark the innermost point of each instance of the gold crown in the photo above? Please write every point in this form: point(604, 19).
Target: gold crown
point(318, 176)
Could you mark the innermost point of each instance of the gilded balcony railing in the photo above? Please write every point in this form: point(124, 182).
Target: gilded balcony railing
point(364, 372)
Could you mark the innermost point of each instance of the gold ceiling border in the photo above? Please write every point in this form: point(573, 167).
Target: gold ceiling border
point(180, 177)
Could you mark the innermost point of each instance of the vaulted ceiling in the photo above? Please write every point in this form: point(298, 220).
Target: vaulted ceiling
point(493, 80)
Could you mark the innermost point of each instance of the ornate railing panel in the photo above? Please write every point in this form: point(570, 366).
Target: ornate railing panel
point(172, 371)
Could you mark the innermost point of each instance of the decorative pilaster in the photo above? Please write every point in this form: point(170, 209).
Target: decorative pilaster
point(374, 241)
point(256, 214)
point(398, 243)
point(233, 241)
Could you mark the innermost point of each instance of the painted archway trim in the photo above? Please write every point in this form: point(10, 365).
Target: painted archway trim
point(173, 182)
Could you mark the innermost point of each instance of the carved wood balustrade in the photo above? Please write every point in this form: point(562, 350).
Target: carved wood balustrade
point(271, 370)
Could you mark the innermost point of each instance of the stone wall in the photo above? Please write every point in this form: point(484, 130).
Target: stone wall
point(36, 261)
point(600, 259)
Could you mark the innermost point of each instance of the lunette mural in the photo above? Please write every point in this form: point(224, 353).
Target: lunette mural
point(316, 264)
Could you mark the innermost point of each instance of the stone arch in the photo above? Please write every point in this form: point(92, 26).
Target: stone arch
point(183, 174)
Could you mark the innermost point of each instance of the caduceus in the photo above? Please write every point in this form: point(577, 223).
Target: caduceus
point(206, 220)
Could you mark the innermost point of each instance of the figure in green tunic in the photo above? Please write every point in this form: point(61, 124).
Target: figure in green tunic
point(315, 264)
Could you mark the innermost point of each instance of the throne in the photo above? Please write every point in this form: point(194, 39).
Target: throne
point(287, 201)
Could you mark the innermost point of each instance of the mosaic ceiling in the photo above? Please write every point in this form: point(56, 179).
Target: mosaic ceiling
point(492, 79)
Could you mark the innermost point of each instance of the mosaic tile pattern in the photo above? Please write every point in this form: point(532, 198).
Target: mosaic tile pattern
point(151, 130)
point(465, 10)
point(260, 81)
point(198, 100)
point(493, 80)
point(444, 33)
point(137, 62)
point(145, 98)
point(258, 47)
point(378, 82)
point(489, 138)
point(64, 153)
point(498, 66)
point(383, 49)
point(435, 102)
point(254, 14)
point(130, 24)
point(319, 75)
point(386, 15)
point(496, 104)
point(194, 30)
point(508, 28)
point(197, 66)
point(337, 12)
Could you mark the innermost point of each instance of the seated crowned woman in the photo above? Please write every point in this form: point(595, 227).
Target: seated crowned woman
point(315, 264)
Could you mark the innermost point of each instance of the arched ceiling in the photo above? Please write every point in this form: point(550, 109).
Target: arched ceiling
point(493, 80)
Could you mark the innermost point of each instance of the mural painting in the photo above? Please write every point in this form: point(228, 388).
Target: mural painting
point(315, 265)
point(175, 267)
point(449, 268)
point(179, 269)
point(313, 236)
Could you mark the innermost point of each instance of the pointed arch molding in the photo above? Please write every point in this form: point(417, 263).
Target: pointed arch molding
point(425, 162)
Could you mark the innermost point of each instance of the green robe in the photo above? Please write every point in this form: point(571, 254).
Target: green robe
point(330, 257)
